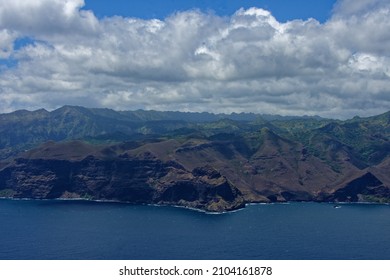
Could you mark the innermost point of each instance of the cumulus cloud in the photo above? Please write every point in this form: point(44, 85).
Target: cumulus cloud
point(47, 18)
point(6, 43)
point(193, 61)
point(353, 8)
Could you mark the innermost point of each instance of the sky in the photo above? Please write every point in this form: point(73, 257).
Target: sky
point(329, 58)
point(283, 10)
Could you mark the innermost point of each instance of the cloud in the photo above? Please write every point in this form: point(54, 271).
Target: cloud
point(7, 39)
point(194, 61)
point(353, 8)
point(46, 18)
point(362, 25)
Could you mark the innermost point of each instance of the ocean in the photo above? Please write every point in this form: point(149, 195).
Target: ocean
point(68, 230)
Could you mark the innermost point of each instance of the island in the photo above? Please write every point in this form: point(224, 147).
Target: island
point(210, 162)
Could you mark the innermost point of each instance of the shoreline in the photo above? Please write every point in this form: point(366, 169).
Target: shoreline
point(126, 202)
point(334, 203)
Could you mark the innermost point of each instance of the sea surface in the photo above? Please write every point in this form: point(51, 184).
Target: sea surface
point(98, 230)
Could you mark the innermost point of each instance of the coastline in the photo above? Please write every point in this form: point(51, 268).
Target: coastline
point(204, 211)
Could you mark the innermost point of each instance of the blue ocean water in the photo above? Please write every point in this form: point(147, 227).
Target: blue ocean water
point(95, 230)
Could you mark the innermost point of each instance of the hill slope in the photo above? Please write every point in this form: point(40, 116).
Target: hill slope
point(205, 161)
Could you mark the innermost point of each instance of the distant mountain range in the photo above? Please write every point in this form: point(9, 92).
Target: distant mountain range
point(214, 162)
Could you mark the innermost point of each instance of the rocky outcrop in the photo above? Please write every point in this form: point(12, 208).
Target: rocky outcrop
point(366, 188)
point(203, 188)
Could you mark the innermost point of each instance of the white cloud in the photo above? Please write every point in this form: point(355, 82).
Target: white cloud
point(197, 62)
point(47, 18)
point(362, 26)
point(347, 8)
point(7, 39)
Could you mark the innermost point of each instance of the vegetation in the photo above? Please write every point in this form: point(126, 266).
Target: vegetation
point(257, 157)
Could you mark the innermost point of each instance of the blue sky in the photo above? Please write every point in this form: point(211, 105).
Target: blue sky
point(301, 57)
point(283, 10)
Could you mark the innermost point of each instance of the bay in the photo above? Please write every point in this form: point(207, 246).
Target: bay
point(46, 230)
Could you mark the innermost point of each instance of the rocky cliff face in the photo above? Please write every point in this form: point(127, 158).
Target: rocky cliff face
point(366, 188)
point(194, 174)
point(136, 180)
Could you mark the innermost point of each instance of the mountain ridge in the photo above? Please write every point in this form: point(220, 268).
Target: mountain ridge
point(214, 165)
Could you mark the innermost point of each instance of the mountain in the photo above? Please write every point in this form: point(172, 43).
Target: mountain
point(199, 160)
